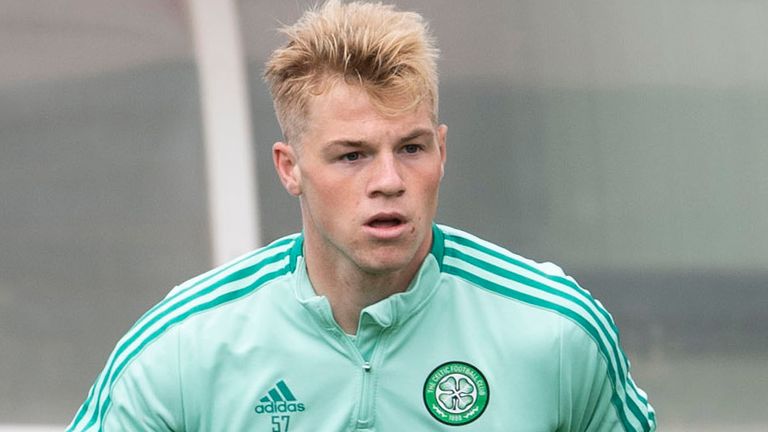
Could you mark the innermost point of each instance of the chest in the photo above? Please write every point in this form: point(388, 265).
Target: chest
point(440, 370)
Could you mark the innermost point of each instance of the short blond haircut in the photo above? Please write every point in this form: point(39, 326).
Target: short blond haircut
point(389, 53)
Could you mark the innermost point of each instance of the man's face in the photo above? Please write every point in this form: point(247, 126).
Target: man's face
point(368, 183)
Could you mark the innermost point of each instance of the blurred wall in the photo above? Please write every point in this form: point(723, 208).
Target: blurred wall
point(102, 194)
point(103, 210)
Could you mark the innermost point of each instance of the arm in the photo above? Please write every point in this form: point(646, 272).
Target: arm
point(596, 397)
point(138, 390)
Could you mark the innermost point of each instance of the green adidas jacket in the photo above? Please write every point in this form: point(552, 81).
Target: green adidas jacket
point(483, 340)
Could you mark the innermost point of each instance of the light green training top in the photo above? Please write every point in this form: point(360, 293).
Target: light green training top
point(482, 340)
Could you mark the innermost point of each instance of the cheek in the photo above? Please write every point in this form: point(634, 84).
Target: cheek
point(431, 183)
point(430, 193)
point(329, 199)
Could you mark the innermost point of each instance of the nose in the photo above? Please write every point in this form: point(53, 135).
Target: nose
point(386, 177)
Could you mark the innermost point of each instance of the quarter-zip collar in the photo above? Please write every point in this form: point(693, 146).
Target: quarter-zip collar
point(389, 312)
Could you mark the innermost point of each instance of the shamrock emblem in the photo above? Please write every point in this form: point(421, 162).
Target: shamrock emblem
point(456, 393)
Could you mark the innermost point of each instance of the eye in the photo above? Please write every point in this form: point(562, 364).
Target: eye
point(411, 148)
point(351, 157)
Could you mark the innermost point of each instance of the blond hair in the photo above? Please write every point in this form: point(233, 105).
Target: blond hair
point(388, 53)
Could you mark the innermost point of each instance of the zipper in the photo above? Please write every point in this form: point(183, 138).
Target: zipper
point(364, 419)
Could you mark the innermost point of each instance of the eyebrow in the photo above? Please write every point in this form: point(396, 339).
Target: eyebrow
point(416, 133)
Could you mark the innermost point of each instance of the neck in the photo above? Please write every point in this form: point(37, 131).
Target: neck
point(349, 289)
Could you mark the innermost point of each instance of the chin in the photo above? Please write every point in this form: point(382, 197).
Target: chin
point(384, 263)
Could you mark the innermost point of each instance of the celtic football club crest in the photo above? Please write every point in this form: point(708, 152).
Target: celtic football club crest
point(456, 393)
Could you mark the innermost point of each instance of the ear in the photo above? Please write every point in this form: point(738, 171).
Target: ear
point(286, 164)
point(442, 135)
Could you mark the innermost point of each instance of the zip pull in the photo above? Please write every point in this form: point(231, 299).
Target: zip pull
point(367, 366)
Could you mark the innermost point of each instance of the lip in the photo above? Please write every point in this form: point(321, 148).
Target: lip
point(386, 232)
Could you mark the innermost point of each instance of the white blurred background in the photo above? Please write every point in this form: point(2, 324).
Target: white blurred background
point(626, 141)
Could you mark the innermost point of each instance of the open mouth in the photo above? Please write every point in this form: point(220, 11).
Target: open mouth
point(385, 221)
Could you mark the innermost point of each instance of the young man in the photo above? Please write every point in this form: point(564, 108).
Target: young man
point(373, 318)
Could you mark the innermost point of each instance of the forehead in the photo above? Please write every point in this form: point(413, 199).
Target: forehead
point(347, 112)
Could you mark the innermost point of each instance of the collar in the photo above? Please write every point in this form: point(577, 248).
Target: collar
point(391, 311)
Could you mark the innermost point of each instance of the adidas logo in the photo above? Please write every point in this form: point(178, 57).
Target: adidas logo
point(279, 399)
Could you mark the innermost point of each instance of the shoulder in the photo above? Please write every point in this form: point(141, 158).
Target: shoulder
point(587, 330)
point(494, 268)
point(276, 257)
point(229, 283)
point(145, 354)
point(462, 245)
point(545, 286)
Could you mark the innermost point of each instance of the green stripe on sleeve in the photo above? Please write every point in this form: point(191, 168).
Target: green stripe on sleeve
point(573, 316)
point(224, 298)
point(570, 291)
point(168, 306)
point(464, 241)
